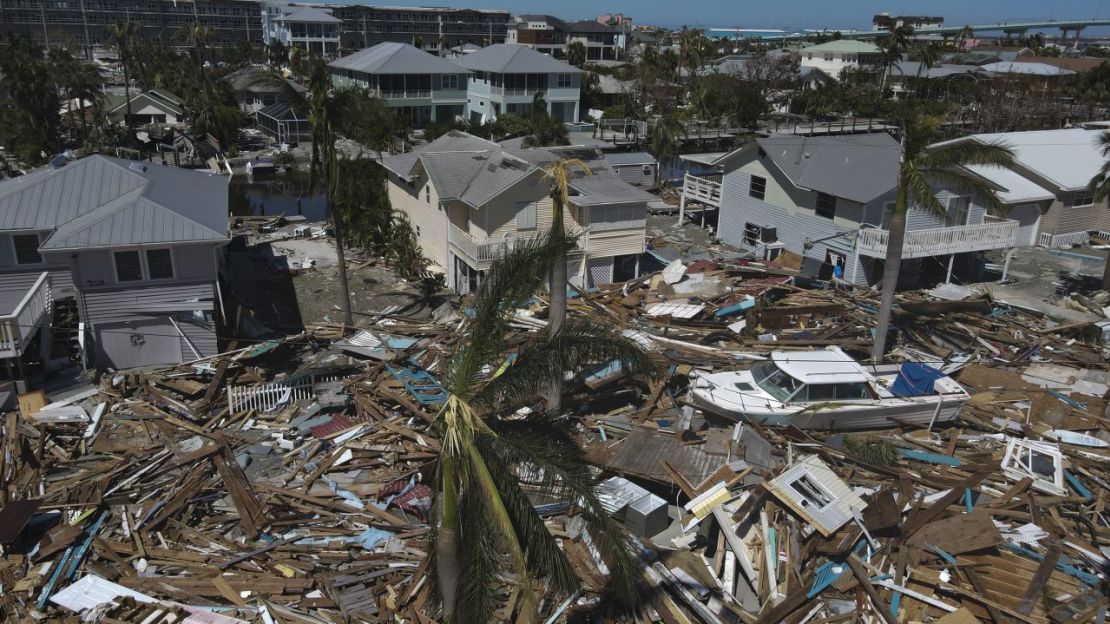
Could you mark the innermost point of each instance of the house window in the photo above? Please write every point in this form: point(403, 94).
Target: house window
point(826, 205)
point(129, 267)
point(812, 494)
point(428, 194)
point(159, 264)
point(758, 187)
point(526, 216)
point(27, 249)
point(563, 81)
point(958, 209)
point(828, 56)
point(450, 81)
point(1083, 198)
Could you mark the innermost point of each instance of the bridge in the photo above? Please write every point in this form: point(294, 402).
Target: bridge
point(1010, 28)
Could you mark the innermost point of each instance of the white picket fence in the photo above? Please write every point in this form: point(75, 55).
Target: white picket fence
point(269, 397)
point(1044, 239)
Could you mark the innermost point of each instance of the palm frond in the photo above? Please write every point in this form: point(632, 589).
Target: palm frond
point(545, 443)
point(286, 91)
point(511, 280)
point(1100, 183)
point(581, 343)
point(967, 153)
point(480, 559)
point(965, 180)
point(541, 549)
point(921, 192)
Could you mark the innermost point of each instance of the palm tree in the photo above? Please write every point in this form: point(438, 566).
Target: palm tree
point(664, 141)
point(1100, 186)
point(483, 519)
point(927, 54)
point(560, 174)
point(921, 167)
point(123, 38)
point(332, 112)
point(576, 53)
point(894, 44)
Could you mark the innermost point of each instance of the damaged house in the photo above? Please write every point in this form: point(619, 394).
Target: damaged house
point(133, 246)
point(829, 199)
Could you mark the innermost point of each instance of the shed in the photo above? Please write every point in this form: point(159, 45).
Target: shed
point(284, 123)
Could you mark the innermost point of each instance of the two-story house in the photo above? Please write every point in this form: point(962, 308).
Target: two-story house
point(253, 93)
point(602, 42)
point(505, 78)
point(1049, 184)
point(316, 31)
point(135, 244)
point(829, 200)
point(543, 33)
point(424, 87)
point(469, 200)
point(833, 57)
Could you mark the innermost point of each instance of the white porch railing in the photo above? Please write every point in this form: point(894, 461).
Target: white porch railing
point(942, 241)
point(482, 253)
point(701, 190)
point(1071, 239)
point(32, 312)
point(269, 397)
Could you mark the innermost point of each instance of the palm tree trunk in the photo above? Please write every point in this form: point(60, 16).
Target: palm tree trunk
point(345, 300)
point(447, 548)
point(891, 267)
point(557, 317)
point(1106, 275)
point(127, 97)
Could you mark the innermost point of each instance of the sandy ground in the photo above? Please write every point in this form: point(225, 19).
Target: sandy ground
point(1040, 278)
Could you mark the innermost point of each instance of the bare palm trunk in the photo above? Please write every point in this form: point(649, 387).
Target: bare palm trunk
point(557, 316)
point(891, 267)
point(345, 300)
point(1106, 275)
point(447, 553)
point(127, 97)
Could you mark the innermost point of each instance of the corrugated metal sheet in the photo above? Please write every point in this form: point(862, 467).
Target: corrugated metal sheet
point(642, 451)
point(858, 167)
point(507, 58)
point(186, 303)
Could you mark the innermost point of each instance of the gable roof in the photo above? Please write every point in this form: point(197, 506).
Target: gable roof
point(396, 58)
point(1068, 158)
point(310, 15)
point(100, 201)
point(463, 167)
point(606, 188)
point(164, 100)
point(856, 167)
point(508, 58)
point(844, 46)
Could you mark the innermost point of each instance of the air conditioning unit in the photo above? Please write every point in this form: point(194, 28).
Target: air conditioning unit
point(773, 250)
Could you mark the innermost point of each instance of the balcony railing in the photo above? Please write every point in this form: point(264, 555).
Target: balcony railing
point(482, 253)
point(19, 327)
point(942, 241)
point(702, 190)
point(406, 95)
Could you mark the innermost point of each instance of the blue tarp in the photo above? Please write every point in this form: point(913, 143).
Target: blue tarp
point(915, 379)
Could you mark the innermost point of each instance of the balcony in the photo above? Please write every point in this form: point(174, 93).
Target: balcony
point(480, 254)
point(702, 190)
point(409, 94)
point(994, 234)
point(28, 313)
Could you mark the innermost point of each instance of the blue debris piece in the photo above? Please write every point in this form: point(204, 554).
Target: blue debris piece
point(735, 308)
point(1078, 487)
point(420, 384)
point(926, 456)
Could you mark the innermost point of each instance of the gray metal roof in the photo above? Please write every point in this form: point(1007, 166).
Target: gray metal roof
point(463, 167)
point(607, 189)
point(507, 58)
point(310, 15)
point(857, 167)
point(396, 58)
point(616, 159)
point(99, 201)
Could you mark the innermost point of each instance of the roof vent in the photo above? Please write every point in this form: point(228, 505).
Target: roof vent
point(137, 166)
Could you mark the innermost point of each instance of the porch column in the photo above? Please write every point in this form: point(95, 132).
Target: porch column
point(1006, 265)
point(682, 205)
point(951, 261)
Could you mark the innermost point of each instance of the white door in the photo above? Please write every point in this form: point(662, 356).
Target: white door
point(1028, 217)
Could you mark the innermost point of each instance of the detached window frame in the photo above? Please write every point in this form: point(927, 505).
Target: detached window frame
point(1022, 459)
point(136, 266)
point(35, 256)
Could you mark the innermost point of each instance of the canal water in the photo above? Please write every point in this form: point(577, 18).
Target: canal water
point(286, 194)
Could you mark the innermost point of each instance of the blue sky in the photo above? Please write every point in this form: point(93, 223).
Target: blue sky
point(790, 13)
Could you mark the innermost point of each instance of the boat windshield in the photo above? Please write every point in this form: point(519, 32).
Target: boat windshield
point(773, 381)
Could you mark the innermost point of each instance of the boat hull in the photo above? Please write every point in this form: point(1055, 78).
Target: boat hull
point(918, 412)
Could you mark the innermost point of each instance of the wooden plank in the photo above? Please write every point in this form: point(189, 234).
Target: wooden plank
point(958, 534)
point(865, 581)
point(1033, 593)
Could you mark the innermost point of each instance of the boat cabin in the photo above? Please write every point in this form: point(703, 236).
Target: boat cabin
point(812, 376)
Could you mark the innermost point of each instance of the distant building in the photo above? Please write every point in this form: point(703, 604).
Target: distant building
point(251, 93)
point(424, 87)
point(156, 106)
point(313, 30)
point(505, 78)
point(551, 35)
point(834, 57)
point(886, 21)
point(617, 20)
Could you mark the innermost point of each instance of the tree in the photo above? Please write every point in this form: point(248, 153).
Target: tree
point(894, 44)
point(213, 105)
point(482, 516)
point(29, 120)
point(78, 81)
point(664, 141)
point(277, 53)
point(1100, 186)
point(921, 167)
point(543, 129)
point(123, 39)
point(576, 53)
point(560, 173)
point(333, 112)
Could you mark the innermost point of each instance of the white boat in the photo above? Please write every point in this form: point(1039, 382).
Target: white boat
point(827, 389)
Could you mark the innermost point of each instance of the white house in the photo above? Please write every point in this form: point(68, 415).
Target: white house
point(316, 31)
point(829, 200)
point(834, 57)
point(469, 200)
point(504, 79)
